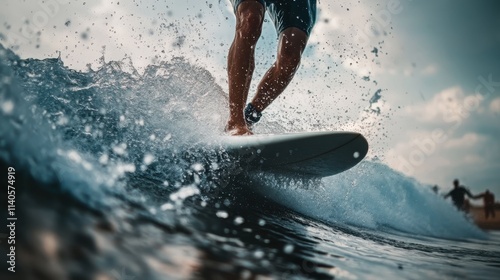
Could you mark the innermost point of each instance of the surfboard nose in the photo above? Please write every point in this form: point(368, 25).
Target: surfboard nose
point(333, 155)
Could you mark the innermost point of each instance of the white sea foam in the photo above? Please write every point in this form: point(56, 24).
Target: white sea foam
point(372, 195)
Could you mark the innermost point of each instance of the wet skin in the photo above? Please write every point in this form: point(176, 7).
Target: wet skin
point(241, 64)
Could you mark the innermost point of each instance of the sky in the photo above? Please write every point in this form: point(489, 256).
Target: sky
point(419, 78)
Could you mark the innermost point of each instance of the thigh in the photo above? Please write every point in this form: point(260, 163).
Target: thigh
point(286, 13)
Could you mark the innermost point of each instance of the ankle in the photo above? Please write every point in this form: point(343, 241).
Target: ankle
point(252, 115)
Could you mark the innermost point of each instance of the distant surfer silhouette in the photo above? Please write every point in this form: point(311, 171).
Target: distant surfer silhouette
point(293, 21)
point(458, 195)
point(489, 203)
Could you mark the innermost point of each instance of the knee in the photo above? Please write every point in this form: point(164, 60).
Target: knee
point(292, 53)
point(249, 26)
point(292, 43)
point(290, 58)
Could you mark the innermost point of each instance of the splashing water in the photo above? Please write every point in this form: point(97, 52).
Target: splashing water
point(129, 150)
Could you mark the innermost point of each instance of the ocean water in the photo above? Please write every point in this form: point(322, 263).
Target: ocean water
point(114, 180)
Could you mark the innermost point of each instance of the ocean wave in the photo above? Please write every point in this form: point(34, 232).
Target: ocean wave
point(93, 131)
point(372, 195)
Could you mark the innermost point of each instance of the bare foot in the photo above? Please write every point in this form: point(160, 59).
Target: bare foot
point(238, 130)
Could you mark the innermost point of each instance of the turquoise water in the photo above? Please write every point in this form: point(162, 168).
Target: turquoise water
point(115, 183)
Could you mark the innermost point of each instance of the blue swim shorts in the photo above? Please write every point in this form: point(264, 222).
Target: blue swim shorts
point(288, 13)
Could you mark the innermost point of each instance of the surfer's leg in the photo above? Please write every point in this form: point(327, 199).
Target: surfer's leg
point(241, 62)
point(294, 21)
point(291, 45)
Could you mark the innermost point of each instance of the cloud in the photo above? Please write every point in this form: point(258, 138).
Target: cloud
point(495, 106)
point(452, 134)
point(430, 69)
point(438, 162)
point(467, 141)
point(447, 107)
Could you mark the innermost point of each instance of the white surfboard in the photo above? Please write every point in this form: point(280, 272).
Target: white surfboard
point(309, 153)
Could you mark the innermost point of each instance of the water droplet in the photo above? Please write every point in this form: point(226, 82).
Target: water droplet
point(198, 167)
point(239, 221)
point(184, 193)
point(120, 149)
point(214, 166)
point(288, 248)
point(167, 206)
point(167, 137)
point(148, 159)
point(258, 254)
point(7, 107)
point(222, 214)
point(104, 159)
